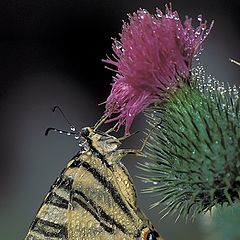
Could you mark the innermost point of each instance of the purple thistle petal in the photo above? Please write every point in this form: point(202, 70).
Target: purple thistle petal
point(155, 53)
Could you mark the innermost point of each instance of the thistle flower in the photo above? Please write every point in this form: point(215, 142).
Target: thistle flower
point(155, 53)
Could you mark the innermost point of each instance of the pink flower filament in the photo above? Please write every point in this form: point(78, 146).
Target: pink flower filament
point(154, 53)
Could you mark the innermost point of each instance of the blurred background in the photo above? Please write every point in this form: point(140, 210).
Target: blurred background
point(50, 54)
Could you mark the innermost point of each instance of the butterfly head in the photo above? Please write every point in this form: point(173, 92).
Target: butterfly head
point(99, 140)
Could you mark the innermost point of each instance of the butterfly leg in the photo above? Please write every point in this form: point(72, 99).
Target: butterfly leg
point(112, 129)
point(100, 122)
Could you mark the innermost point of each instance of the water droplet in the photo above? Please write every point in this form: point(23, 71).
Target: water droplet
point(73, 129)
point(118, 44)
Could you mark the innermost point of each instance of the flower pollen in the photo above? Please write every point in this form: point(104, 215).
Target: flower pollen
point(154, 54)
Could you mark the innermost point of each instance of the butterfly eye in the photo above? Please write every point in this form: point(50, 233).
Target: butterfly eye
point(152, 235)
point(85, 132)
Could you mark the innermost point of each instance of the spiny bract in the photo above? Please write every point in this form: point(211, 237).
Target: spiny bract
point(194, 147)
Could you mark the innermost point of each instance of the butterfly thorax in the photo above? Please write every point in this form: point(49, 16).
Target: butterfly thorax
point(100, 141)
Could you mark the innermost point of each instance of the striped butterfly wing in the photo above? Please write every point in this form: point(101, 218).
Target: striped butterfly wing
point(102, 202)
point(88, 217)
point(86, 201)
point(51, 220)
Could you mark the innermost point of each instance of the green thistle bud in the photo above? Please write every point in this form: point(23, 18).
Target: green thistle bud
point(194, 147)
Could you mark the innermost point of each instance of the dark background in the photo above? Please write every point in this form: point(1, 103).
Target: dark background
point(50, 54)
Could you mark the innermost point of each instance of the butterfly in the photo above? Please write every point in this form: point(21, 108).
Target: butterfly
point(94, 196)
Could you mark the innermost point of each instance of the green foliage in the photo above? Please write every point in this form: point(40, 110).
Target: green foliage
point(193, 149)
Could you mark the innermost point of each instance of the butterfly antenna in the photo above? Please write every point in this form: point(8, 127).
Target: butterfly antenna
point(65, 118)
point(234, 61)
point(59, 131)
